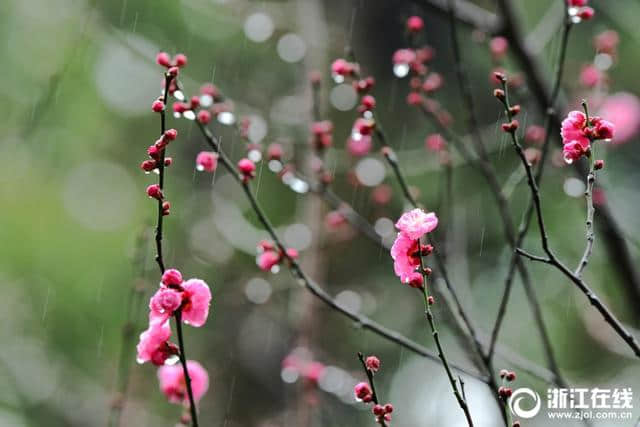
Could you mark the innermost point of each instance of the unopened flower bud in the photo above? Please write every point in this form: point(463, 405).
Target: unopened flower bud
point(171, 277)
point(157, 106)
point(180, 60)
point(372, 363)
point(163, 59)
point(154, 192)
point(204, 116)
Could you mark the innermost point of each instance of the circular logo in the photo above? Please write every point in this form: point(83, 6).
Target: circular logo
point(524, 394)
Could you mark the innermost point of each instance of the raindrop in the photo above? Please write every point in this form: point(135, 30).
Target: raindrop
point(299, 186)
point(173, 359)
point(576, 19)
point(199, 168)
point(338, 78)
point(275, 269)
point(206, 101)
point(401, 70)
point(291, 48)
point(258, 27)
point(226, 118)
point(178, 95)
point(275, 166)
point(177, 115)
point(367, 114)
point(603, 61)
point(289, 375)
point(189, 115)
point(254, 155)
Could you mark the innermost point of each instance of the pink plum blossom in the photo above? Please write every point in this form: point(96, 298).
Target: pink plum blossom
point(173, 384)
point(416, 223)
point(207, 161)
point(153, 346)
point(196, 300)
point(163, 303)
point(573, 129)
point(267, 259)
point(404, 264)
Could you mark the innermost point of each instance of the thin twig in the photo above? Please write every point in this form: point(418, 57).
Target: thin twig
point(613, 236)
point(159, 257)
point(552, 259)
point(374, 394)
point(524, 225)
point(436, 338)
point(362, 321)
point(591, 178)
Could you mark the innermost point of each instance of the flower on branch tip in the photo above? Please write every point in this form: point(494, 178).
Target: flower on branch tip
point(416, 223)
point(577, 134)
point(163, 59)
point(372, 363)
point(174, 385)
point(171, 277)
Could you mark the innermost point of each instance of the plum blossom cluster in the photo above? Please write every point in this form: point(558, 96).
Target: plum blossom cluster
point(156, 153)
point(407, 249)
point(205, 106)
point(359, 143)
point(173, 66)
point(423, 82)
point(189, 301)
point(364, 392)
point(578, 132)
point(579, 11)
point(270, 256)
point(191, 298)
point(505, 392)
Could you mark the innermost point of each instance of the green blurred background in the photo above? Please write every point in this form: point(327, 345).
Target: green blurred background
point(76, 226)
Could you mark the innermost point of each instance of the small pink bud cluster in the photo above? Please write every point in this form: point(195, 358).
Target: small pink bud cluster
point(270, 256)
point(173, 67)
point(207, 161)
point(578, 133)
point(191, 297)
point(422, 83)
point(364, 393)
point(507, 376)
point(203, 107)
point(579, 9)
point(247, 169)
point(407, 249)
point(156, 154)
point(341, 68)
